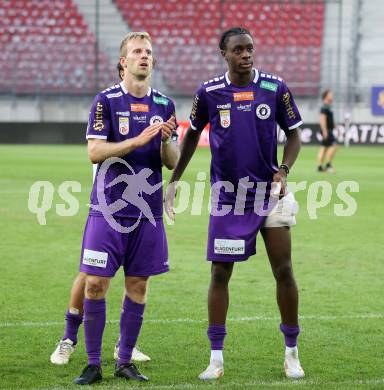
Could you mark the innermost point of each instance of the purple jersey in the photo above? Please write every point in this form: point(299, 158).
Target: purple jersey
point(115, 116)
point(243, 123)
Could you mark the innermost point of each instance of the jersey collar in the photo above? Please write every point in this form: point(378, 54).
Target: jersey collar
point(126, 91)
point(255, 79)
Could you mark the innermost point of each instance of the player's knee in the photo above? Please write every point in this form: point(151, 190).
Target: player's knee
point(81, 276)
point(95, 287)
point(221, 273)
point(283, 273)
point(80, 280)
point(137, 290)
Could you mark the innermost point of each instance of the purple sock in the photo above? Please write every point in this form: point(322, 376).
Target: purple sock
point(216, 334)
point(72, 324)
point(94, 323)
point(130, 324)
point(290, 334)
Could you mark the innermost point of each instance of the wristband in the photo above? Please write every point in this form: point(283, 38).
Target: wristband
point(285, 168)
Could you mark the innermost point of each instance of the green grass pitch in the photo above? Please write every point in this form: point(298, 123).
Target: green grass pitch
point(338, 263)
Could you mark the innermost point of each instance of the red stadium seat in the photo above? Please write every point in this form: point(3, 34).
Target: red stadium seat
point(287, 37)
point(46, 48)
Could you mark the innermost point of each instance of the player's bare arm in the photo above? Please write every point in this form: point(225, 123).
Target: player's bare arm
point(169, 150)
point(99, 149)
point(323, 125)
point(188, 147)
point(291, 151)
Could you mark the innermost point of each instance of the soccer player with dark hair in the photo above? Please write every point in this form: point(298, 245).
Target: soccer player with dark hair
point(243, 107)
point(327, 124)
point(135, 125)
point(74, 315)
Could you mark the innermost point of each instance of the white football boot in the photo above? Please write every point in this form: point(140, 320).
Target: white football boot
point(63, 352)
point(215, 370)
point(292, 367)
point(137, 355)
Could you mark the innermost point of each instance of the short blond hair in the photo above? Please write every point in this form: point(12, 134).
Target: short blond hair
point(133, 35)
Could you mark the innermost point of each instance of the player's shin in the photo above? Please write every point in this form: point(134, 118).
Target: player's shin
point(94, 323)
point(216, 335)
point(290, 334)
point(130, 324)
point(73, 320)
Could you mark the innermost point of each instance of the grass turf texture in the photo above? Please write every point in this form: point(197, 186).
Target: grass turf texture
point(337, 263)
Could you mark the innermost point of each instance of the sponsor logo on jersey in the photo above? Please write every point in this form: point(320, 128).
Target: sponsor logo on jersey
point(95, 258)
point(226, 106)
point(194, 107)
point(98, 124)
point(156, 119)
point(139, 108)
point(229, 247)
point(160, 100)
point(288, 105)
point(225, 118)
point(244, 107)
point(213, 87)
point(140, 118)
point(263, 111)
point(268, 85)
point(240, 96)
point(123, 113)
point(123, 125)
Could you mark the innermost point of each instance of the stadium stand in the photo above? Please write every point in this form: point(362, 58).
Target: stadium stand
point(47, 47)
point(369, 55)
point(288, 37)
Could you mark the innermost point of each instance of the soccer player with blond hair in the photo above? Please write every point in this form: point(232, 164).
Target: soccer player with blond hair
point(130, 126)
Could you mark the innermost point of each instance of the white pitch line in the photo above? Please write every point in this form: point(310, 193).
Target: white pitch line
point(367, 316)
point(231, 385)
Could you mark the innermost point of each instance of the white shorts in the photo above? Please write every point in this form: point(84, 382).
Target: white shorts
point(283, 214)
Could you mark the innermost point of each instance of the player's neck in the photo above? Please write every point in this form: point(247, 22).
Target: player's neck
point(136, 87)
point(240, 79)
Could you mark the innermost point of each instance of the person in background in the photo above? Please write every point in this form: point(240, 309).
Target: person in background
point(327, 124)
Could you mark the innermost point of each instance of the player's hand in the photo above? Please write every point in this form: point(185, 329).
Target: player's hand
point(148, 134)
point(168, 128)
point(169, 200)
point(279, 184)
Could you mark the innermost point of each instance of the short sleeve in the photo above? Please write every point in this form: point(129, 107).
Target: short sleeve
point(99, 122)
point(199, 113)
point(324, 110)
point(288, 116)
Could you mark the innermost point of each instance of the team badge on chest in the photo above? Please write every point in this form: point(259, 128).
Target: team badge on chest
point(155, 119)
point(123, 125)
point(263, 111)
point(225, 118)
